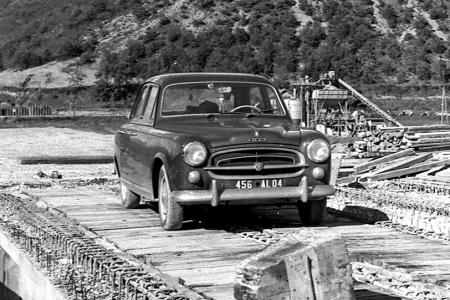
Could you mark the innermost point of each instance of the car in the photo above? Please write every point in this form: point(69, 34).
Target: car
point(217, 139)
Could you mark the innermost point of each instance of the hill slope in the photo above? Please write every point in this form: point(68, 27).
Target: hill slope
point(393, 41)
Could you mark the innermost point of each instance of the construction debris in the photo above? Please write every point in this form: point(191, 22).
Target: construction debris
point(303, 266)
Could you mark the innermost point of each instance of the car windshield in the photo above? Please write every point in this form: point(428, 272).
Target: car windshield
point(220, 97)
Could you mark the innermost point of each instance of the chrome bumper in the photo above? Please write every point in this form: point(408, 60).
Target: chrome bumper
point(302, 192)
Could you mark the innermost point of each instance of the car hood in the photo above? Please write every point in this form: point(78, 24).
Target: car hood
point(228, 131)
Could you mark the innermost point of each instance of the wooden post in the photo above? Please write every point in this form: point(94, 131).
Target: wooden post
point(304, 266)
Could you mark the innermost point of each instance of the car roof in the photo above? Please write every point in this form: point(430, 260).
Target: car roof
point(173, 78)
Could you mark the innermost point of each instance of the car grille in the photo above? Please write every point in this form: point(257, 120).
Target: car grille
point(256, 163)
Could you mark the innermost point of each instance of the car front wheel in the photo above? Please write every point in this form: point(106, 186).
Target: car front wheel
point(311, 212)
point(129, 198)
point(170, 212)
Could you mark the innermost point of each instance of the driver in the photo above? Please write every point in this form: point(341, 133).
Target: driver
point(255, 100)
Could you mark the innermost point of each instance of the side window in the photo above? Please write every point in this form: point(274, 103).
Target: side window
point(138, 108)
point(149, 108)
point(278, 109)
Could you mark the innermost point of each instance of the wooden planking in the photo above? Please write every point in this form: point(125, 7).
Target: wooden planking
point(196, 242)
point(206, 258)
point(206, 275)
point(399, 163)
point(217, 291)
point(166, 258)
point(367, 165)
point(411, 170)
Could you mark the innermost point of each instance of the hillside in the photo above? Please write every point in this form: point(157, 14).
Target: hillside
point(364, 41)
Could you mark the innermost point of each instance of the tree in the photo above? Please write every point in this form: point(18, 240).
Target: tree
point(440, 71)
point(24, 91)
point(389, 13)
point(76, 78)
point(423, 70)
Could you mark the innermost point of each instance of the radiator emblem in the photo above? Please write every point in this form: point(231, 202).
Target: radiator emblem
point(258, 140)
point(259, 166)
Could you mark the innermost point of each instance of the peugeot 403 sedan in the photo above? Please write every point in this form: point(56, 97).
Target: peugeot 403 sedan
point(218, 139)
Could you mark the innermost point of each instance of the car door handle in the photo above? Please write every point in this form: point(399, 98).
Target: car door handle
point(132, 134)
point(121, 132)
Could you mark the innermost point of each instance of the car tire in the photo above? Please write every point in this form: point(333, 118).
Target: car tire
point(129, 199)
point(311, 212)
point(171, 214)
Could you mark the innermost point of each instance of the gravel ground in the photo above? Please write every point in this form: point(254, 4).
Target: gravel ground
point(51, 141)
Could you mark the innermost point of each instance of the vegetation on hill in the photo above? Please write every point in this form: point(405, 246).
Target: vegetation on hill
point(364, 41)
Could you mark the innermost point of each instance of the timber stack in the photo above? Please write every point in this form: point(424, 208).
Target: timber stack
point(401, 164)
point(388, 140)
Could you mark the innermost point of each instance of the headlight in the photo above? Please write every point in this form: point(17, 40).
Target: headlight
point(194, 153)
point(318, 150)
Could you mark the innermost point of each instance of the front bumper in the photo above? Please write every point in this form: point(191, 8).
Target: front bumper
point(214, 196)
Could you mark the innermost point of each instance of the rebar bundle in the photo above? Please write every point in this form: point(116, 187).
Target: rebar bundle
point(74, 262)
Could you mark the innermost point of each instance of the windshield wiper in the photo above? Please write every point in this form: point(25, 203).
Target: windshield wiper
point(223, 113)
point(251, 115)
point(268, 110)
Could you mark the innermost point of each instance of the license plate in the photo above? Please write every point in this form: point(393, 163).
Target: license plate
point(262, 183)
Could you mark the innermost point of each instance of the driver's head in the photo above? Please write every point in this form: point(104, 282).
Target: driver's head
point(254, 100)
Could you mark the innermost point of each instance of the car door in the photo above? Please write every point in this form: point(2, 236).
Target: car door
point(141, 138)
point(128, 160)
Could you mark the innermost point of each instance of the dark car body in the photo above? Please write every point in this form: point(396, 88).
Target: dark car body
point(253, 157)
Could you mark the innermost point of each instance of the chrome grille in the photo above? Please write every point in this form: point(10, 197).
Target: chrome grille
point(256, 163)
point(243, 160)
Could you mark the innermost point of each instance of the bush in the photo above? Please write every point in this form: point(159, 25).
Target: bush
point(205, 4)
point(69, 48)
point(390, 15)
point(87, 58)
point(24, 59)
point(439, 13)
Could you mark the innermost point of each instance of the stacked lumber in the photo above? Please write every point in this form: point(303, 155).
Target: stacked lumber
point(305, 265)
point(392, 139)
point(397, 165)
point(428, 140)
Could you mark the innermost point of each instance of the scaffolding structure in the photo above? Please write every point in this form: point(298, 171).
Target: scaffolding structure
point(325, 105)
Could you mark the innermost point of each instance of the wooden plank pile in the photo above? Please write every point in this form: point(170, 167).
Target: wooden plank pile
point(397, 165)
point(388, 140)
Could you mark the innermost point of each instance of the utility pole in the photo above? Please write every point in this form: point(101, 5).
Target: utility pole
point(444, 110)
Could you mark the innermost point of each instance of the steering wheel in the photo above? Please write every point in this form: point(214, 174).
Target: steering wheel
point(246, 106)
